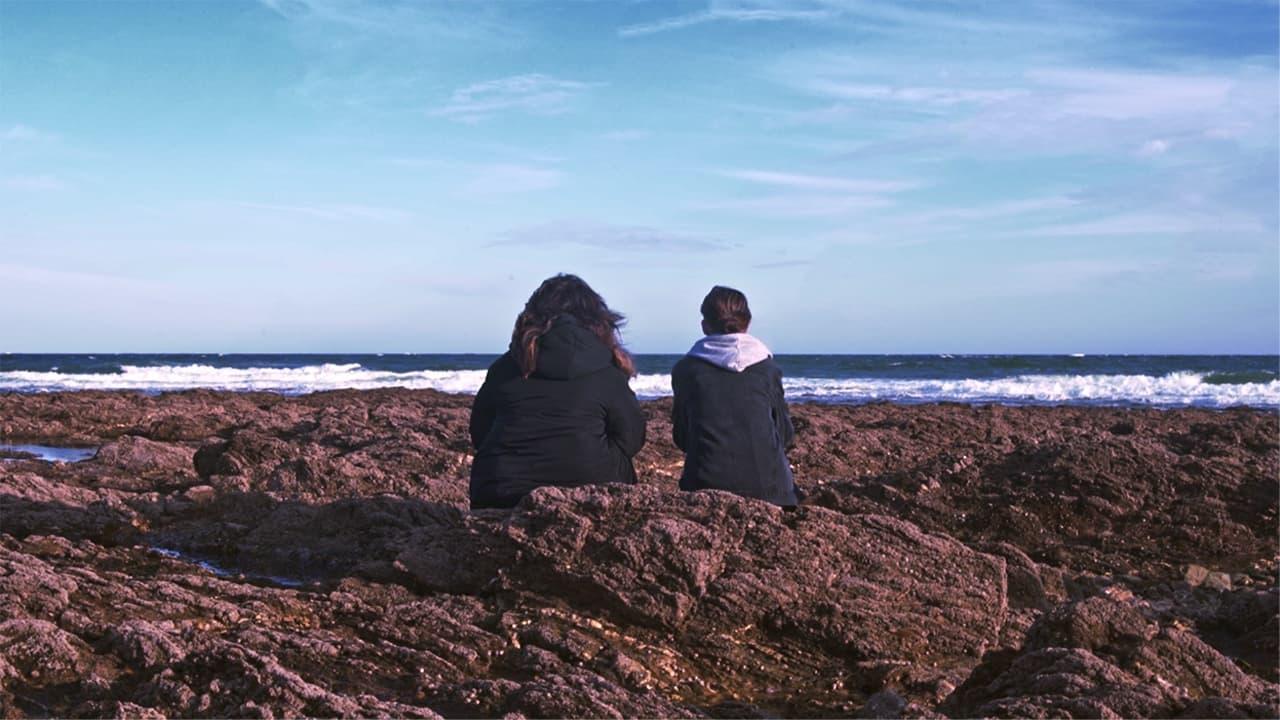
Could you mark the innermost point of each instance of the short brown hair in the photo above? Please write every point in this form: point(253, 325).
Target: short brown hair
point(725, 310)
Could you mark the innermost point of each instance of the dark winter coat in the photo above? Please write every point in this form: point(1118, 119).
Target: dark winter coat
point(731, 421)
point(574, 421)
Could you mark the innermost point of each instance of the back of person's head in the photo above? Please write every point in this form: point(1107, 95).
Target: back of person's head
point(560, 296)
point(725, 310)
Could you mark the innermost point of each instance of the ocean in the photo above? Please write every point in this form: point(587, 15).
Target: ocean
point(1212, 381)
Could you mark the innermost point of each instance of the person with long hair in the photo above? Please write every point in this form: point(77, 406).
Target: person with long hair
point(556, 408)
point(729, 414)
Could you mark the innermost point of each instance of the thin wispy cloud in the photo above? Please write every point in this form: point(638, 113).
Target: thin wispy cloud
point(881, 16)
point(609, 236)
point(534, 93)
point(727, 12)
point(910, 94)
point(1118, 95)
point(511, 178)
point(819, 182)
point(371, 57)
point(799, 206)
point(390, 18)
point(1073, 110)
point(333, 211)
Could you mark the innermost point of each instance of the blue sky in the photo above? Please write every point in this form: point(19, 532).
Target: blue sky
point(912, 176)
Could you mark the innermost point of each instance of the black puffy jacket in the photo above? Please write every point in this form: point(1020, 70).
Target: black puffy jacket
point(574, 421)
point(734, 429)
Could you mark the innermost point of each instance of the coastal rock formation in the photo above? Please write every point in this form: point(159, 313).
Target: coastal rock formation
point(1103, 657)
point(259, 555)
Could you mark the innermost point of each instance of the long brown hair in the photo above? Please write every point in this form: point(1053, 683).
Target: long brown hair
point(568, 295)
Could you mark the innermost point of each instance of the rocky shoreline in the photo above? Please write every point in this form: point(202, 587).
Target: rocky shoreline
point(229, 554)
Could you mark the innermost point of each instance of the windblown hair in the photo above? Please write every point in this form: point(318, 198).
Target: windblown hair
point(725, 310)
point(568, 295)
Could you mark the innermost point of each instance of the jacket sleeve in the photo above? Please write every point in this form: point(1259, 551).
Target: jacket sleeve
point(484, 409)
point(624, 421)
point(781, 416)
point(678, 409)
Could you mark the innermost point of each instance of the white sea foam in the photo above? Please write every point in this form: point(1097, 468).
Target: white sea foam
point(309, 378)
point(1174, 389)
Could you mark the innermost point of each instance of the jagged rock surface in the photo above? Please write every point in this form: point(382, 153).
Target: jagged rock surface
point(258, 555)
point(1104, 657)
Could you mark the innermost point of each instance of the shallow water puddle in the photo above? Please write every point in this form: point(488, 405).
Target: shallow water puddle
point(224, 572)
point(49, 453)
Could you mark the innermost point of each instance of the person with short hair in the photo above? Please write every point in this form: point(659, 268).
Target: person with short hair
point(556, 408)
point(729, 415)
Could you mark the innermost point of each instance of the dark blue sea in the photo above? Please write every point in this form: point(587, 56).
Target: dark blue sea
point(1215, 381)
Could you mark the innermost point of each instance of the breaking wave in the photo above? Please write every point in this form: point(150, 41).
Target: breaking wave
point(295, 380)
point(1177, 389)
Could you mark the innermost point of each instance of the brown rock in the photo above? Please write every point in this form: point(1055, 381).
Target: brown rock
point(1219, 581)
point(1100, 658)
point(351, 580)
point(1195, 575)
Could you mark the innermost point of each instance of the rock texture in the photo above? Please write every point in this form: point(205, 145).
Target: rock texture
point(1105, 657)
point(258, 555)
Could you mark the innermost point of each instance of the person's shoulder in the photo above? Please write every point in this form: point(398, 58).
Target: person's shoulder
point(609, 384)
point(767, 367)
point(610, 375)
point(689, 366)
point(504, 366)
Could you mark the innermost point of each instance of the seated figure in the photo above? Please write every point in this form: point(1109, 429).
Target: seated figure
point(729, 415)
point(556, 408)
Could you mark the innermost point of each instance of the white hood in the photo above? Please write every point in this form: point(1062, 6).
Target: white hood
point(734, 351)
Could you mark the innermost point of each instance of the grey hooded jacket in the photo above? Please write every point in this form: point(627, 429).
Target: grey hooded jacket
point(730, 419)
